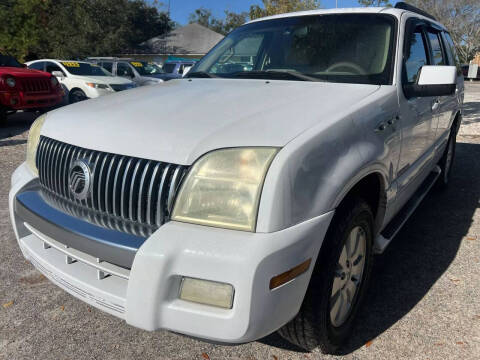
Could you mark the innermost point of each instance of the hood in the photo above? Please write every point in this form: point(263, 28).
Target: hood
point(179, 120)
point(23, 72)
point(104, 79)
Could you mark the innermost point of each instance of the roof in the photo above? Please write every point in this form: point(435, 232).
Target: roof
point(193, 39)
point(359, 10)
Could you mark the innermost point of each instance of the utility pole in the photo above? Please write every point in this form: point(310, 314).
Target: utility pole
point(336, 3)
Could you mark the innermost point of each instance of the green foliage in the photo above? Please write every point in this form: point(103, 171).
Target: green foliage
point(205, 18)
point(378, 3)
point(74, 29)
point(273, 7)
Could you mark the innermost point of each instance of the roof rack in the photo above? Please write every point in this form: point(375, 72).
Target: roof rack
point(404, 6)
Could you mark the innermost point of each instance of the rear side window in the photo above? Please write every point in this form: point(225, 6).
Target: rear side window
point(37, 66)
point(416, 56)
point(451, 50)
point(168, 68)
point(436, 46)
point(107, 66)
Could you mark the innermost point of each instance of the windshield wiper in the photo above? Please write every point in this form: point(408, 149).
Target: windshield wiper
point(200, 74)
point(277, 74)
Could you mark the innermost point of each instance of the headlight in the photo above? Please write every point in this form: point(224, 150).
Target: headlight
point(11, 81)
point(32, 143)
point(223, 188)
point(54, 81)
point(98, 86)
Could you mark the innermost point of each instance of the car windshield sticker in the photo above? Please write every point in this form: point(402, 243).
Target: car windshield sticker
point(71, 64)
point(136, 64)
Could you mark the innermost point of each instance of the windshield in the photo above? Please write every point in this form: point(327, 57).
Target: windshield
point(10, 61)
point(352, 48)
point(85, 69)
point(146, 68)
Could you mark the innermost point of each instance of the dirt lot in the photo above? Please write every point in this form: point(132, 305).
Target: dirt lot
point(424, 302)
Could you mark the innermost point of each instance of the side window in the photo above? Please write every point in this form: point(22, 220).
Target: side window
point(51, 67)
point(168, 68)
point(416, 56)
point(37, 66)
point(107, 66)
point(124, 70)
point(436, 46)
point(452, 53)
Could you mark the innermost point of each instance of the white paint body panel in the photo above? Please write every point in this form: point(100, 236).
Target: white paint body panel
point(72, 81)
point(329, 140)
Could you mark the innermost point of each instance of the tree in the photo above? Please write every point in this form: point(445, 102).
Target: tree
point(377, 3)
point(71, 29)
point(205, 18)
point(273, 7)
point(461, 18)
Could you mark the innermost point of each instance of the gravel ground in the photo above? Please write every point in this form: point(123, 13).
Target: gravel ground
point(424, 301)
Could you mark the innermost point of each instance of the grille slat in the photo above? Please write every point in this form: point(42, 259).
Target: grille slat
point(36, 85)
point(127, 194)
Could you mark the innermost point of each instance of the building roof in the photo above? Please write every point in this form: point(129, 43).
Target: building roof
point(193, 39)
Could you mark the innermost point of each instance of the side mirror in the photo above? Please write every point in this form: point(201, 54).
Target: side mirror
point(433, 80)
point(58, 74)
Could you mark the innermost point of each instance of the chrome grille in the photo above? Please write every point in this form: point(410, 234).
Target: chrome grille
point(128, 194)
point(36, 85)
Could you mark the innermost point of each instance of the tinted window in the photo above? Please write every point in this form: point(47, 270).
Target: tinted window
point(108, 66)
point(436, 46)
point(452, 53)
point(84, 69)
point(37, 65)
point(146, 68)
point(123, 69)
point(416, 56)
point(168, 68)
point(51, 67)
point(7, 60)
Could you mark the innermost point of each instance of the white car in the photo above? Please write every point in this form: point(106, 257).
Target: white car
point(82, 80)
point(260, 205)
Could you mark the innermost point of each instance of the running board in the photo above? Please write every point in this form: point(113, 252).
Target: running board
point(394, 226)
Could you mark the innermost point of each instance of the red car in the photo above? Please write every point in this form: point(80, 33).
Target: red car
point(22, 88)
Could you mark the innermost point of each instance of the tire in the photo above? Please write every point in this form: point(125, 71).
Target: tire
point(3, 116)
point(76, 95)
point(317, 324)
point(446, 162)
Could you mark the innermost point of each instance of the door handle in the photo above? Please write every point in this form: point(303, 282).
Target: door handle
point(435, 104)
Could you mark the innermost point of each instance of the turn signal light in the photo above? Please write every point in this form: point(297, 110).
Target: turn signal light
point(291, 274)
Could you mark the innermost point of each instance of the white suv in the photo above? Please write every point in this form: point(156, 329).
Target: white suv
point(308, 140)
point(82, 80)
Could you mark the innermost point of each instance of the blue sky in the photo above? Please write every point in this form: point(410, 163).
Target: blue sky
point(181, 9)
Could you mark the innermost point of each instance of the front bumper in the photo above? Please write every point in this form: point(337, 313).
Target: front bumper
point(146, 295)
point(20, 100)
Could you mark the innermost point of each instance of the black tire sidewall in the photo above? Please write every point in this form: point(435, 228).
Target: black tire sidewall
point(356, 213)
point(77, 96)
point(365, 220)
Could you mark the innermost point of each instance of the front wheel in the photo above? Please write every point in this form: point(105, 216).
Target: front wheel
point(76, 96)
point(3, 116)
point(338, 282)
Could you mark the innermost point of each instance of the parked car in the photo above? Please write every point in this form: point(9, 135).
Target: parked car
point(140, 72)
point(82, 80)
point(260, 205)
point(24, 89)
point(176, 69)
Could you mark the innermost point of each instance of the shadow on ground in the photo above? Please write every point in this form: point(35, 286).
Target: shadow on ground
point(16, 124)
point(471, 112)
point(419, 255)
